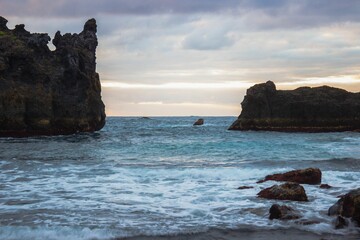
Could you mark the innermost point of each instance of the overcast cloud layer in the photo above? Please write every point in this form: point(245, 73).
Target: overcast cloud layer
point(188, 57)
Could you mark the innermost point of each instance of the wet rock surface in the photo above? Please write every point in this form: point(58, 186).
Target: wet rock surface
point(302, 176)
point(341, 222)
point(286, 191)
point(283, 212)
point(45, 92)
point(348, 206)
point(305, 109)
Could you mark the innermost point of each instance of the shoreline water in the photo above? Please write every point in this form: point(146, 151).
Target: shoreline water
point(219, 234)
point(147, 178)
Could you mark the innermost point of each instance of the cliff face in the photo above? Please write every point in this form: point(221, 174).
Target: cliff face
point(45, 92)
point(319, 109)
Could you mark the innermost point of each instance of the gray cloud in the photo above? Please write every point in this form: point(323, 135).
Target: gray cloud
point(208, 39)
point(262, 13)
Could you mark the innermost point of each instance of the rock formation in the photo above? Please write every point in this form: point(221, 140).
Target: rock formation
point(45, 92)
point(305, 109)
point(306, 176)
point(286, 191)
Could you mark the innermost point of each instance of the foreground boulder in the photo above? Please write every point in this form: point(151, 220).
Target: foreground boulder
point(45, 92)
point(286, 191)
point(305, 109)
point(348, 206)
point(302, 176)
point(199, 122)
point(283, 212)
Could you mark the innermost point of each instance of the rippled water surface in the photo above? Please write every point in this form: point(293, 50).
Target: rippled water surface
point(162, 175)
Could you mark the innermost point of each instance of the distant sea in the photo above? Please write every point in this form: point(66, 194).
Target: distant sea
point(162, 176)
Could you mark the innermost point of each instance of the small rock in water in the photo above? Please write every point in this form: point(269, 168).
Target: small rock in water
point(306, 222)
point(244, 187)
point(325, 186)
point(282, 212)
point(286, 191)
point(302, 176)
point(199, 122)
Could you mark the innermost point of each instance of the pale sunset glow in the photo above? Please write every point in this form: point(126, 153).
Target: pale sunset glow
point(177, 85)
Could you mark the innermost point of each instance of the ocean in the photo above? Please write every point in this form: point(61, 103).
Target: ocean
point(160, 176)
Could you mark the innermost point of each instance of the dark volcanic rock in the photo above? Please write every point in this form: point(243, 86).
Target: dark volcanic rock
point(200, 121)
point(307, 176)
point(305, 109)
point(282, 212)
point(45, 92)
point(286, 191)
point(348, 206)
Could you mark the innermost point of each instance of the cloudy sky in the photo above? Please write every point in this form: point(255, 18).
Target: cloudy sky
point(197, 57)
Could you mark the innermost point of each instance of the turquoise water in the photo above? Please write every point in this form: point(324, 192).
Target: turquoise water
point(162, 175)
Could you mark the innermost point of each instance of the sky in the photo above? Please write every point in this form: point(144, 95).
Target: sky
point(198, 57)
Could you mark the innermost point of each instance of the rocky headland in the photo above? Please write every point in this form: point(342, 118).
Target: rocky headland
point(305, 109)
point(44, 92)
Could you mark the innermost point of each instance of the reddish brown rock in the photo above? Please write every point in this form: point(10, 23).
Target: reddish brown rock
point(302, 176)
point(283, 212)
point(286, 191)
point(348, 206)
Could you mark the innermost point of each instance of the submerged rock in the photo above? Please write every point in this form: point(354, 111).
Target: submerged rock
point(286, 191)
point(303, 176)
point(348, 206)
point(244, 187)
point(305, 109)
point(45, 92)
point(283, 212)
point(200, 121)
point(325, 186)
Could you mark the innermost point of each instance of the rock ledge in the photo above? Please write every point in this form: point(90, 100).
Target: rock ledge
point(305, 109)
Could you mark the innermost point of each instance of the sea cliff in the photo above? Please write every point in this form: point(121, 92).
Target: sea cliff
point(305, 109)
point(44, 92)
